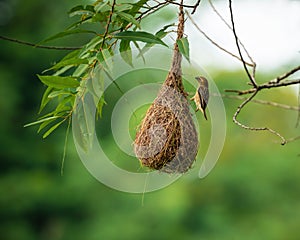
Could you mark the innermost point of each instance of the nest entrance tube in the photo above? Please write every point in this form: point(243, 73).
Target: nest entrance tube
point(167, 139)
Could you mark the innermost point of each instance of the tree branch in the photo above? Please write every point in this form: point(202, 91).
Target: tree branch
point(267, 85)
point(37, 46)
point(251, 78)
point(108, 23)
point(243, 104)
point(285, 75)
point(264, 102)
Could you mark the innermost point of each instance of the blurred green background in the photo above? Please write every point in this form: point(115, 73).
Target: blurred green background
point(253, 192)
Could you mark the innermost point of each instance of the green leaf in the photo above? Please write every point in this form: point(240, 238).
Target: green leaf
point(104, 57)
point(123, 7)
point(66, 33)
point(137, 6)
point(45, 98)
point(140, 51)
point(41, 121)
point(59, 82)
point(86, 127)
point(81, 10)
point(183, 46)
point(102, 7)
point(80, 70)
point(100, 105)
point(125, 52)
point(45, 124)
point(63, 106)
point(139, 36)
point(129, 18)
point(69, 62)
point(91, 46)
point(58, 93)
point(46, 134)
point(160, 34)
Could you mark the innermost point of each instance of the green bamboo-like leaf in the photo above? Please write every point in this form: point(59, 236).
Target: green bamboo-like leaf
point(41, 121)
point(45, 124)
point(50, 130)
point(80, 70)
point(125, 52)
point(63, 105)
point(66, 33)
point(160, 34)
point(139, 36)
point(59, 82)
point(69, 62)
point(100, 105)
point(104, 57)
point(129, 18)
point(101, 7)
point(183, 46)
point(137, 6)
point(92, 45)
point(81, 10)
point(86, 127)
point(140, 51)
point(58, 93)
point(45, 98)
point(123, 7)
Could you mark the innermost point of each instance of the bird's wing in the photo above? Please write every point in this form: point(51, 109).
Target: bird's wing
point(204, 95)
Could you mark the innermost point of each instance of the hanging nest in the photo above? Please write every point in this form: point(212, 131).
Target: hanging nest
point(167, 139)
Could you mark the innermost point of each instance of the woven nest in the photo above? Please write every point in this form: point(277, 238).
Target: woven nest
point(167, 139)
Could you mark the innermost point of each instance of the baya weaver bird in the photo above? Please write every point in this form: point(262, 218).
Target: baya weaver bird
point(202, 95)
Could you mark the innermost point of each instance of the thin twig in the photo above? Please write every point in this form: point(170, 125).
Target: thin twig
point(179, 4)
point(37, 46)
point(285, 75)
point(108, 23)
point(243, 104)
point(212, 41)
point(196, 6)
point(265, 86)
point(293, 139)
point(151, 10)
point(227, 24)
point(264, 102)
point(251, 78)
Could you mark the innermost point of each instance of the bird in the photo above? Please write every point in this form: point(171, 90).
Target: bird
point(202, 95)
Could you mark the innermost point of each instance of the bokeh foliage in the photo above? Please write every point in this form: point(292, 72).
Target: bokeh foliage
point(253, 193)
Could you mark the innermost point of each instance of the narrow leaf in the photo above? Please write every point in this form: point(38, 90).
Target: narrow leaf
point(45, 124)
point(46, 134)
point(66, 33)
point(104, 58)
point(81, 10)
point(69, 62)
point(129, 18)
point(100, 105)
point(139, 36)
point(140, 51)
point(125, 52)
point(45, 98)
point(58, 93)
point(59, 82)
point(137, 6)
point(91, 45)
point(183, 46)
point(41, 121)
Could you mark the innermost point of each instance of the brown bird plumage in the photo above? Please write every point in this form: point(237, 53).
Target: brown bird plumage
point(202, 95)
